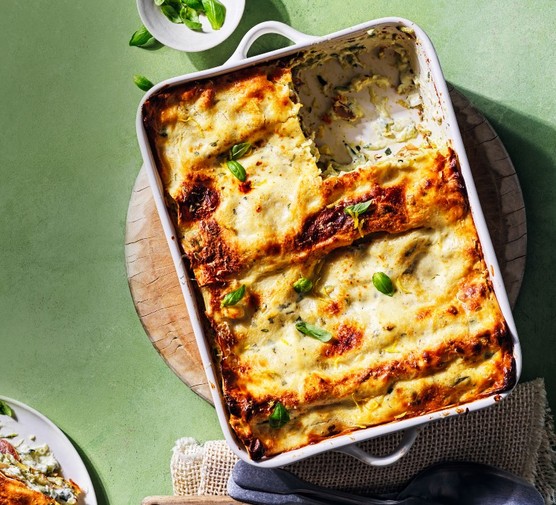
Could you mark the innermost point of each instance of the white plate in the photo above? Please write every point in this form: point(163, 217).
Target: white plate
point(178, 36)
point(30, 423)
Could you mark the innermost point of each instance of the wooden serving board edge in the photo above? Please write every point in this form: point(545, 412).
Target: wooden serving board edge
point(189, 500)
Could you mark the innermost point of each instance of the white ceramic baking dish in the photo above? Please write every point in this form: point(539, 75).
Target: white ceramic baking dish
point(436, 98)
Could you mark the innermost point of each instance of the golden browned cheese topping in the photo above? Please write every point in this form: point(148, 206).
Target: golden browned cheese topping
point(299, 365)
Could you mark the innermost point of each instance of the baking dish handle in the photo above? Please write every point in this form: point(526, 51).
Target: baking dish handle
point(262, 29)
point(355, 451)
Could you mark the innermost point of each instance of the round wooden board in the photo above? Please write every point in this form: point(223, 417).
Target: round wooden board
point(157, 294)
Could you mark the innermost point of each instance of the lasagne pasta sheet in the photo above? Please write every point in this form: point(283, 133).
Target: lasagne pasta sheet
point(321, 134)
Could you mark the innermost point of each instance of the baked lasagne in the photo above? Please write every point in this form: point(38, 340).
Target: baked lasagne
point(342, 279)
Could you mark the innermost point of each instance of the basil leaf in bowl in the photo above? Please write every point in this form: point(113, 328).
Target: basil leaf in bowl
point(191, 25)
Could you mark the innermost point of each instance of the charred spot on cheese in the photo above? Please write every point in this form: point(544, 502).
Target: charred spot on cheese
point(452, 310)
point(256, 449)
point(333, 307)
point(388, 214)
point(225, 339)
point(439, 342)
point(471, 294)
point(198, 200)
point(217, 259)
point(241, 407)
point(321, 227)
point(245, 187)
point(347, 338)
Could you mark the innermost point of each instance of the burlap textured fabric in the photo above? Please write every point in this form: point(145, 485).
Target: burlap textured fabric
point(516, 434)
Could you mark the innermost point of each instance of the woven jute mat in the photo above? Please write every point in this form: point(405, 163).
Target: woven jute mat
point(516, 434)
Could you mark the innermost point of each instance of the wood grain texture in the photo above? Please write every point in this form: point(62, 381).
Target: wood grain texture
point(499, 192)
point(189, 500)
point(156, 291)
point(154, 284)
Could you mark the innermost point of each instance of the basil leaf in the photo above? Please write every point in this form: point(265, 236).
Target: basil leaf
point(388, 151)
point(5, 409)
point(239, 150)
point(356, 210)
point(383, 283)
point(237, 169)
point(159, 2)
point(142, 82)
point(313, 331)
point(193, 25)
point(194, 4)
point(233, 297)
point(190, 18)
point(171, 13)
point(141, 37)
point(279, 416)
point(303, 285)
point(216, 13)
point(187, 13)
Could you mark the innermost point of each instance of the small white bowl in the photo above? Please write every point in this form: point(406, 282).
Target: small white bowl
point(178, 36)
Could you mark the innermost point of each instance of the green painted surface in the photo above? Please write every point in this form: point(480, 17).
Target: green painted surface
point(71, 344)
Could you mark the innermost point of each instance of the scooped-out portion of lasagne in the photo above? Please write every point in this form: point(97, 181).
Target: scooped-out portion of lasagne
point(330, 236)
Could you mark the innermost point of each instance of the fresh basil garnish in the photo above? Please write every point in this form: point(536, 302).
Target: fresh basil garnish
point(5, 409)
point(141, 37)
point(216, 13)
point(171, 13)
point(190, 18)
point(313, 331)
point(303, 285)
point(237, 169)
point(193, 25)
point(233, 297)
point(356, 210)
point(188, 12)
point(279, 416)
point(194, 4)
point(239, 150)
point(142, 82)
point(383, 283)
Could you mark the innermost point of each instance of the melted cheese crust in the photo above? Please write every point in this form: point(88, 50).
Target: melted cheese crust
point(439, 341)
